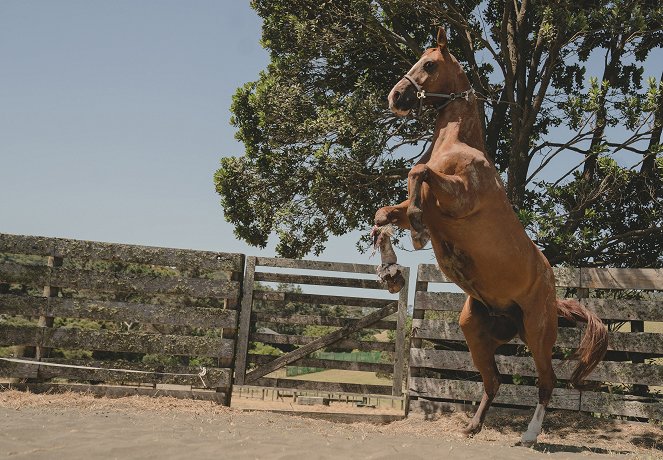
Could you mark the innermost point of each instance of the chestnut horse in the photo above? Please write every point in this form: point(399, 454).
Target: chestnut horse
point(457, 201)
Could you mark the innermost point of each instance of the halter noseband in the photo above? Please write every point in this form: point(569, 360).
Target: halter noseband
point(423, 94)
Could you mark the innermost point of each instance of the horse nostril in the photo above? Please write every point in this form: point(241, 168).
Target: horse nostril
point(397, 96)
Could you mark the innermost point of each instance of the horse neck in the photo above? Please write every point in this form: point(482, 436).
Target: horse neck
point(459, 120)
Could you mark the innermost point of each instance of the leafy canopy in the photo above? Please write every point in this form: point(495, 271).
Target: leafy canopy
point(323, 153)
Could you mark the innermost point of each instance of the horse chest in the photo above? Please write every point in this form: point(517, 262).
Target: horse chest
point(457, 265)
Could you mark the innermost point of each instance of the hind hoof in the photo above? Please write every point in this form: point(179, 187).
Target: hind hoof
point(527, 440)
point(471, 429)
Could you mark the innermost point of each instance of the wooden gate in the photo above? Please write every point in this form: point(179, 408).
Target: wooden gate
point(118, 319)
point(627, 383)
point(299, 325)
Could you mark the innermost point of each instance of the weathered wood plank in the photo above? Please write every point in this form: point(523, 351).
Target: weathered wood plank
point(626, 309)
point(244, 325)
point(11, 304)
point(94, 250)
point(319, 280)
point(139, 343)
point(33, 275)
point(332, 387)
point(606, 371)
point(349, 344)
point(564, 276)
point(568, 337)
point(618, 404)
point(315, 265)
point(317, 320)
point(400, 356)
point(318, 299)
point(327, 364)
point(567, 277)
point(642, 342)
point(622, 278)
point(123, 282)
point(19, 335)
point(520, 395)
point(102, 340)
point(117, 372)
point(430, 273)
point(117, 311)
point(440, 301)
point(121, 392)
point(321, 342)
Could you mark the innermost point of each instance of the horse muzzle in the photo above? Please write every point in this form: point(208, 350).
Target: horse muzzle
point(402, 98)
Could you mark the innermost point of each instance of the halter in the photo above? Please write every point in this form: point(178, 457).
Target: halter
point(423, 94)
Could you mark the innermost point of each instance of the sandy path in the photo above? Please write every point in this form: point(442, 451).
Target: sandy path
point(82, 427)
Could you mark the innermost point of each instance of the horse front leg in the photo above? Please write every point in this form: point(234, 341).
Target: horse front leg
point(453, 195)
point(395, 215)
point(418, 231)
point(388, 271)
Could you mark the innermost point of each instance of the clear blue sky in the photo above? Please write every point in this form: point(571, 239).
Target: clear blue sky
point(114, 115)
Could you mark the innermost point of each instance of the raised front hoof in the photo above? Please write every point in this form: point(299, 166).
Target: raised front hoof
point(471, 429)
point(418, 230)
point(392, 274)
point(419, 239)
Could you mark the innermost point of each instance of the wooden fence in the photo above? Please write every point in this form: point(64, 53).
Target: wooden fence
point(628, 381)
point(97, 316)
point(278, 316)
point(121, 319)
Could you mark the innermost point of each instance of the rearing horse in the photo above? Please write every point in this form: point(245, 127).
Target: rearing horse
point(457, 200)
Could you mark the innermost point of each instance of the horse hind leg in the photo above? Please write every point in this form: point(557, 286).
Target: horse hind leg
point(483, 334)
point(540, 334)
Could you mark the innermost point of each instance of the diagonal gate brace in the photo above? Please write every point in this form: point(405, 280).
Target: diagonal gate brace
point(322, 342)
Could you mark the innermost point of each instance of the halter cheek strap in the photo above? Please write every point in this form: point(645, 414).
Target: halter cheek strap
point(423, 94)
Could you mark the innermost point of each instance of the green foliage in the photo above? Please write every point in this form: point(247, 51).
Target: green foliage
point(259, 348)
point(323, 153)
point(620, 223)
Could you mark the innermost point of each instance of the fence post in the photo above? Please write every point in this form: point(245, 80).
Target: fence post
point(242, 349)
point(417, 314)
point(231, 333)
point(47, 321)
point(402, 351)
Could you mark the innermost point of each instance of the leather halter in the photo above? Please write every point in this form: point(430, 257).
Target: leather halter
point(423, 94)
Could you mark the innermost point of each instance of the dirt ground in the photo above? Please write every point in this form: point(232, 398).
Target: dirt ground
point(73, 426)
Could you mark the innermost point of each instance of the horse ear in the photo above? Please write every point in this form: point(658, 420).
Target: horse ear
point(441, 38)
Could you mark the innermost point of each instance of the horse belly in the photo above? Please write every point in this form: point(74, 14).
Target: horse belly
point(486, 272)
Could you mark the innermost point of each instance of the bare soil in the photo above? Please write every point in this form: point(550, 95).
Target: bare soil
point(74, 426)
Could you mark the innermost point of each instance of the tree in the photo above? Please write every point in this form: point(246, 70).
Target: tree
point(323, 153)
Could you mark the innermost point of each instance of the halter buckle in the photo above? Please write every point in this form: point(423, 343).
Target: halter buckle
point(421, 94)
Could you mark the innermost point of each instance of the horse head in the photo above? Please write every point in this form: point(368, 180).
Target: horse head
point(436, 74)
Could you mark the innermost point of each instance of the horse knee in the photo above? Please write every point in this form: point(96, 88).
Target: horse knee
point(418, 173)
point(383, 216)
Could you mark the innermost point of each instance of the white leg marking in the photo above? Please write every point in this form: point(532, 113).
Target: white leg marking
point(534, 427)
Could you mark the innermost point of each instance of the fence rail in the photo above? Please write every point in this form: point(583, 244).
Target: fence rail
point(81, 311)
point(442, 372)
point(277, 316)
point(124, 319)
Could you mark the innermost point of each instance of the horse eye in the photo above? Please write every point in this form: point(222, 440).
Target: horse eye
point(429, 66)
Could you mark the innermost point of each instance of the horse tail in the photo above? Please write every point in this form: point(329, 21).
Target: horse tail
point(594, 341)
